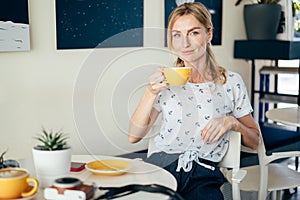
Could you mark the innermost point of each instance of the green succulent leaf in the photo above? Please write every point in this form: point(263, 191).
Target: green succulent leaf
point(2, 159)
point(52, 141)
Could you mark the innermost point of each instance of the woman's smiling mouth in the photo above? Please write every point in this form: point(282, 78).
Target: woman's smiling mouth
point(188, 52)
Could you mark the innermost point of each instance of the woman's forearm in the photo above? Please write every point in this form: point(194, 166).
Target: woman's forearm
point(143, 117)
point(246, 125)
point(250, 133)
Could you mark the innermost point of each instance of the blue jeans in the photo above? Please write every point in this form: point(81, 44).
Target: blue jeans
point(197, 184)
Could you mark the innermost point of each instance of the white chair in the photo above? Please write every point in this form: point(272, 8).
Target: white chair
point(230, 162)
point(267, 176)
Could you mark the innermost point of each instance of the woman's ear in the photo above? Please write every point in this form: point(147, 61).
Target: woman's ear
point(209, 35)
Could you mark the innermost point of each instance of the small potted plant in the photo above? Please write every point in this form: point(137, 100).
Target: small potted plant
point(261, 19)
point(7, 163)
point(52, 157)
point(2, 164)
point(52, 141)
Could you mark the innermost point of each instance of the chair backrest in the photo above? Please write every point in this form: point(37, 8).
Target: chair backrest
point(231, 160)
point(261, 150)
point(232, 156)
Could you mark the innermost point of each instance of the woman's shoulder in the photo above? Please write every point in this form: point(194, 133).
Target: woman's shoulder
point(234, 76)
point(234, 79)
point(227, 76)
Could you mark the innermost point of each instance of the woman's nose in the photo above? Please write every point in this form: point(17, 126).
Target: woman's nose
point(186, 41)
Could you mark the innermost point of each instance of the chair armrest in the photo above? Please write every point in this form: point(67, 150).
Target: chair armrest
point(279, 155)
point(239, 176)
point(248, 150)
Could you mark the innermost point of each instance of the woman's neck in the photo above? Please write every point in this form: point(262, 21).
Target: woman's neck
point(198, 78)
point(199, 72)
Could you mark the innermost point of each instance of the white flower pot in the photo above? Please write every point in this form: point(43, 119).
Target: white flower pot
point(50, 165)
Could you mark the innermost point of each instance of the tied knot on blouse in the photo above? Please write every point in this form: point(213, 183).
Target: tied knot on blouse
point(185, 161)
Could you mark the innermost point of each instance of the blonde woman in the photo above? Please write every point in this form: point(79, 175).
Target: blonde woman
point(196, 116)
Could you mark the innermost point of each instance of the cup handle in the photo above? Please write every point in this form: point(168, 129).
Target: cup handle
point(33, 189)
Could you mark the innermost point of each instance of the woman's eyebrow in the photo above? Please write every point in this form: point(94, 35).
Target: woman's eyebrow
point(189, 30)
point(195, 28)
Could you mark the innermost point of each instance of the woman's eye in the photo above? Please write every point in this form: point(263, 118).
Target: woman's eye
point(176, 35)
point(194, 33)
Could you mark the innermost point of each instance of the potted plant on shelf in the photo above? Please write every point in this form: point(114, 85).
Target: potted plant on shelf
point(52, 157)
point(296, 17)
point(261, 19)
point(259, 2)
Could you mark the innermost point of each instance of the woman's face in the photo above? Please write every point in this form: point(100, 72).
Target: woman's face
point(189, 38)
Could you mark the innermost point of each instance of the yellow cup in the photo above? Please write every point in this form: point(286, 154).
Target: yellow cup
point(14, 183)
point(177, 75)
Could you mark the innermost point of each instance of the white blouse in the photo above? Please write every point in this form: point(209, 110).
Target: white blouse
point(187, 109)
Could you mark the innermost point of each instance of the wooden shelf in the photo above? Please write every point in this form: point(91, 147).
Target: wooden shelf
point(278, 70)
point(279, 98)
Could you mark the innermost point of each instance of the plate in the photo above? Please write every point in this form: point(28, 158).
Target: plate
point(108, 167)
point(27, 198)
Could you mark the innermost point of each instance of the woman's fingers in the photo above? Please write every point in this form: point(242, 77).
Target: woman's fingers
point(209, 134)
point(214, 130)
point(157, 77)
point(162, 85)
point(158, 81)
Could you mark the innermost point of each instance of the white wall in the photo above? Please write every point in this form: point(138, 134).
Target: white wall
point(37, 87)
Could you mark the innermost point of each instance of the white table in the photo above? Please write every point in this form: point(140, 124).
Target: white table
point(140, 173)
point(288, 116)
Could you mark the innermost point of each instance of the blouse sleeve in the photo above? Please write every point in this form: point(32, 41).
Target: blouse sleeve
point(241, 102)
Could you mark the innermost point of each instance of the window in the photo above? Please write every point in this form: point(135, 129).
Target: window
point(288, 83)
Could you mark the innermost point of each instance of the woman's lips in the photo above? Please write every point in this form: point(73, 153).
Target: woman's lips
point(187, 52)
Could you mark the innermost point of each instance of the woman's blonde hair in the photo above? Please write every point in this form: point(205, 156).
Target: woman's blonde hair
point(200, 12)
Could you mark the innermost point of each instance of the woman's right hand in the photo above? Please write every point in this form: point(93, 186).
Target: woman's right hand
point(157, 82)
